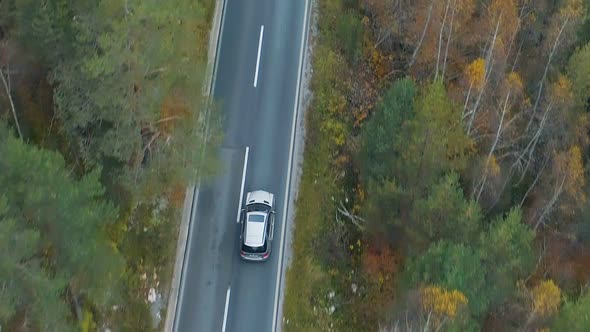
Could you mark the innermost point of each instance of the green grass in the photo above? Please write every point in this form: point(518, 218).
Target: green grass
point(306, 278)
point(320, 266)
point(326, 255)
point(310, 277)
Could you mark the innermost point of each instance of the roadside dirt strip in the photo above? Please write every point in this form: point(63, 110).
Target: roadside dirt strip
point(192, 192)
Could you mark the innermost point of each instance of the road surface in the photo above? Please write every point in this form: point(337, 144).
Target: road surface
point(256, 82)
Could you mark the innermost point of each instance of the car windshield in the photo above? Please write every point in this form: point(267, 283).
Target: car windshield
point(257, 207)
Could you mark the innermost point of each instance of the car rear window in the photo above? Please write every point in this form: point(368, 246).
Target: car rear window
point(254, 250)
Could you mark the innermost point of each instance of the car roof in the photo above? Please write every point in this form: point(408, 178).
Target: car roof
point(254, 230)
point(260, 196)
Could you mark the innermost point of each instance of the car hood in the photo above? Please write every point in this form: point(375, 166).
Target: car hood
point(260, 196)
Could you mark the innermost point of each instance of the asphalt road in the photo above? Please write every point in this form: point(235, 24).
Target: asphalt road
point(256, 83)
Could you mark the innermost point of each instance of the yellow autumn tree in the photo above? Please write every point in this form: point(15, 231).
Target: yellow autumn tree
point(475, 73)
point(514, 85)
point(561, 93)
point(514, 81)
point(570, 176)
point(442, 302)
point(546, 298)
point(572, 8)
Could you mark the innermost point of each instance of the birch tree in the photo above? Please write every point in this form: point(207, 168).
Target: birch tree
point(566, 186)
point(578, 70)
point(561, 35)
point(513, 93)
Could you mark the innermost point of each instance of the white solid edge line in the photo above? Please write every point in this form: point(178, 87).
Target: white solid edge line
point(258, 57)
point(290, 166)
point(226, 309)
point(243, 183)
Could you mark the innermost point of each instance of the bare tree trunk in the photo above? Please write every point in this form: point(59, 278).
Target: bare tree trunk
point(466, 101)
point(517, 56)
point(75, 303)
point(530, 148)
point(551, 203)
point(534, 182)
point(356, 220)
point(166, 119)
point(518, 24)
point(491, 153)
point(9, 94)
point(440, 35)
point(441, 324)
point(486, 76)
point(542, 83)
point(508, 178)
point(382, 39)
point(415, 54)
point(449, 39)
point(427, 325)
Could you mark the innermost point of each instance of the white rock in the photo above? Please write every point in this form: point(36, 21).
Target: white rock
point(354, 287)
point(331, 295)
point(152, 295)
point(332, 309)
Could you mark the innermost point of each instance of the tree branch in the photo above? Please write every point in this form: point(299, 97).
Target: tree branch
point(173, 117)
point(8, 93)
point(356, 220)
point(148, 146)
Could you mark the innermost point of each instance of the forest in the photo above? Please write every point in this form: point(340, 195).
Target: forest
point(100, 126)
point(445, 180)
